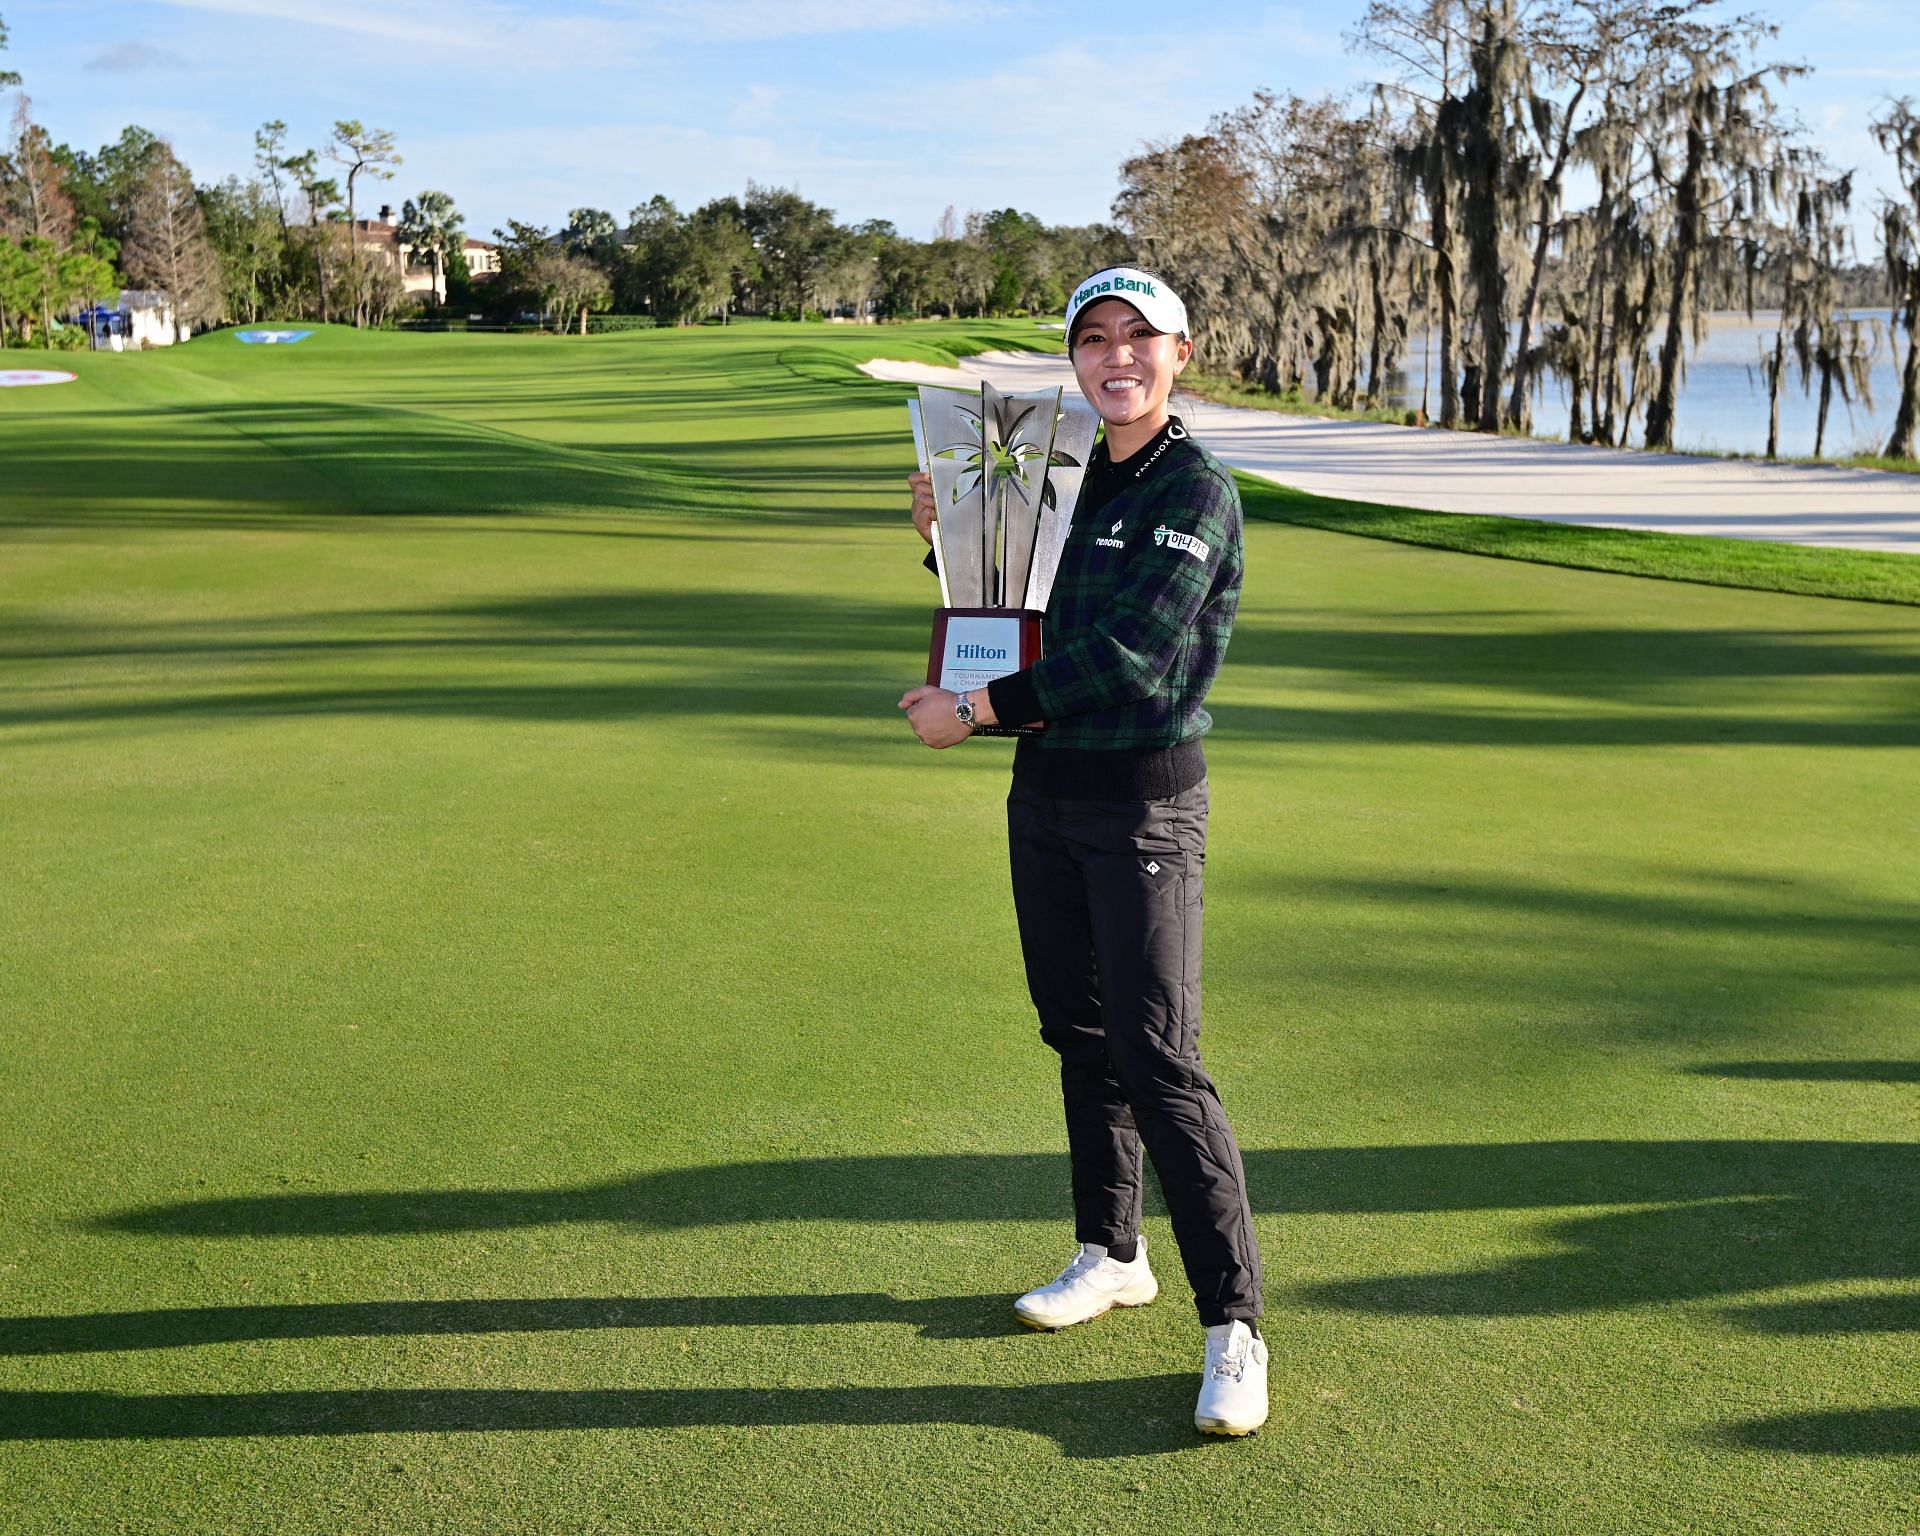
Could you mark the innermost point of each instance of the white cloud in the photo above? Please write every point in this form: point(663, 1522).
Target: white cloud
point(757, 107)
point(755, 20)
point(503, 32)
point(586, 34)
point(537, 173)
point(1045, 131)
point(132, 56)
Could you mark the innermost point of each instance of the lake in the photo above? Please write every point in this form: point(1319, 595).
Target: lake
point(1723, 394)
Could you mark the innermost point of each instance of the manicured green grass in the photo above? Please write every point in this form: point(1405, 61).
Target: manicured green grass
point(1863, 574)
point(506, 1032)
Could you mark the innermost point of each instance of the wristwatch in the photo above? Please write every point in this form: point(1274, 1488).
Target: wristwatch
point(963, 709)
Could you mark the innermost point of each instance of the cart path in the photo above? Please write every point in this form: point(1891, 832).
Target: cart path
point(1827, 505)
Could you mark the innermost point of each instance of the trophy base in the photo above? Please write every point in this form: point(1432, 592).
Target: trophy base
point(973, 646)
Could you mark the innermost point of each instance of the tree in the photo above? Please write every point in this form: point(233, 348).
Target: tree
point(570, 286)
point(522, 248)
point(1427, 39)
point(321, 194)
point(1803, 258)
point(1897, 131)
point(651, 251)
point(1013, 242)
point(1590, 52)
point(244, 230)
point(82, 278)
point(119, 171)
point(8, 77)
point(32, 198)
point(430, 227)
point(167, 247)
point(1495, 168)
point(270, 158)
point(364, 152)
point(1196, 209)
point(34, 206)
point(592, 233)
point(723, 257)
point(1713, 123)
point(90, 275)
point(37, 274)
point(907, 282)
point(17, 273)
point(846, 271)
point(790, 236)
point(37, 285)
point(963, 274)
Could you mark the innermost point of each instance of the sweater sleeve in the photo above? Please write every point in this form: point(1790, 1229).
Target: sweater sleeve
point(1133, 641)
point(1013, 699)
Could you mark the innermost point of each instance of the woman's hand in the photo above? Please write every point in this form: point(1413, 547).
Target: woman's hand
point(922, 505)
point(930, 713)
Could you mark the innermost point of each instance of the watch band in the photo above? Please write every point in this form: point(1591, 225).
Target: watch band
point(963, 709)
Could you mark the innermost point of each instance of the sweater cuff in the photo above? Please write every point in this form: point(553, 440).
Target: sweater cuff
point(1013, 699)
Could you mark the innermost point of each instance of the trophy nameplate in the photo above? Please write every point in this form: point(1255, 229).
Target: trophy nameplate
point(973, 646)
point(1006, 472)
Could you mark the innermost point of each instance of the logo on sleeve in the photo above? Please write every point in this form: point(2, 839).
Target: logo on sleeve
point(1186, 542)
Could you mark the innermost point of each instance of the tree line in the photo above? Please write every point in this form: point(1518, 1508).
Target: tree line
point(773, 252)
point(1312, 236)
point(276, 244)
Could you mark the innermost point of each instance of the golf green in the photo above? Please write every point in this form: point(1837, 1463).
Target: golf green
point(505, 1030)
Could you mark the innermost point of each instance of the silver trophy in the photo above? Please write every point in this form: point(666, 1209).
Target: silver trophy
point(1006, 472)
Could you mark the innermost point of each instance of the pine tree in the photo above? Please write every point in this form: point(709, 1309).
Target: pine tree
point(167, 247)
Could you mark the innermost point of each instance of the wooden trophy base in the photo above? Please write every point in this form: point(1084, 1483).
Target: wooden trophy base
point(973, 646)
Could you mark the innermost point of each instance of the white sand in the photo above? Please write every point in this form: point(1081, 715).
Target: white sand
point(1515, 477)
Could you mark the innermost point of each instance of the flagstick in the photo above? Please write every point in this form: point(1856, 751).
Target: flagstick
point(926, 468)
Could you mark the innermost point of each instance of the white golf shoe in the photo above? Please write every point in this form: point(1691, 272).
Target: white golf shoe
point(1092, 1284)
point(1233, 1392)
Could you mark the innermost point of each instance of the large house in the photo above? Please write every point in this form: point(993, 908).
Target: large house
point(381, 237)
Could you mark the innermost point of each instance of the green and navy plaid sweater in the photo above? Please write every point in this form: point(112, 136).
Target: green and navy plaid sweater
point(1137, 624)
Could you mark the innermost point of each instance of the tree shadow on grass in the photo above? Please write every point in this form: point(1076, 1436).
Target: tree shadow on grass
point(1815, 1071)
point(1134, 1416)
point(262, 464)
point(757, 656)
point(1711, 1218)
point(1626, 951)
point(1844, 1432)
point(819, 652)
point(935, 1317)
point(365, 460)
point(1692, 1221)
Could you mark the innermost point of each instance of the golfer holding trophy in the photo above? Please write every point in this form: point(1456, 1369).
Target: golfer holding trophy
point(1086, 600)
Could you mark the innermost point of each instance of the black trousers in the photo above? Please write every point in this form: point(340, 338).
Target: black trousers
point(1108, 895)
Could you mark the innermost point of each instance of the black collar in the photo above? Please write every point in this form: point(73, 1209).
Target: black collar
point(1136, 464)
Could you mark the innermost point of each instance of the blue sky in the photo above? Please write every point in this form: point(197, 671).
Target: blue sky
point(877, 108)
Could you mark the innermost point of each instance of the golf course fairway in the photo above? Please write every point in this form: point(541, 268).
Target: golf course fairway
point(506, 1031)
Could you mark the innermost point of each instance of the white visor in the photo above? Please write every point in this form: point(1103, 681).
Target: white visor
point(1158, 304)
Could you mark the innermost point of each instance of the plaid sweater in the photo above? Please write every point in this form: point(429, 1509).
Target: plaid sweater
point(1137, 624)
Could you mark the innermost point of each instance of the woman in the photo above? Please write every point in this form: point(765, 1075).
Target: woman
point(1107, 827)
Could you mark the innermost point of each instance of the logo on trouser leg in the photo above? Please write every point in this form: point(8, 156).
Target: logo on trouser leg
point(1153, 867)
